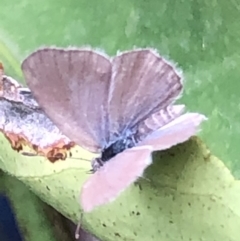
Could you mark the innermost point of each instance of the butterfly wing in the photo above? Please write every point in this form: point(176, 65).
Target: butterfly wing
point(158, 120)
point(116, 175)
point(71, 86)
point(142, 84)
point(175, 132)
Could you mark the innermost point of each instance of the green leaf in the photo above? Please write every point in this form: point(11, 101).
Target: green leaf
point(34, 217)
point(186, 194)
point(196, 196)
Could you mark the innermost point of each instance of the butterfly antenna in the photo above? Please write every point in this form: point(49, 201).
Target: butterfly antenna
point(30, 154)
point(24, 153)
point(77, 232)
point(145, 178)
point(78, 158)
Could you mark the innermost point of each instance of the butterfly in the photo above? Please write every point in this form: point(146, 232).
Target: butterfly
point(120, 107)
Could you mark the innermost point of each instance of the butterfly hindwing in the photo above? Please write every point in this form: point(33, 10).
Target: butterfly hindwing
point(175, 132)
point(115, 176)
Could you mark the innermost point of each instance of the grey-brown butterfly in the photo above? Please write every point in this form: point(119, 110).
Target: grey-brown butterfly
point(121, 107)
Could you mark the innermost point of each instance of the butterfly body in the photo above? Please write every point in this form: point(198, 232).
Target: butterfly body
point(145, 128)
point(112, 150)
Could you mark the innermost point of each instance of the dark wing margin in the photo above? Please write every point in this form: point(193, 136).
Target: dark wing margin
point(142, 84)
point(71, 86)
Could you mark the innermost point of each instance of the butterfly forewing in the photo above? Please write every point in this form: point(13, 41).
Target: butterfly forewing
point(142, 83)
point(70, 86)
